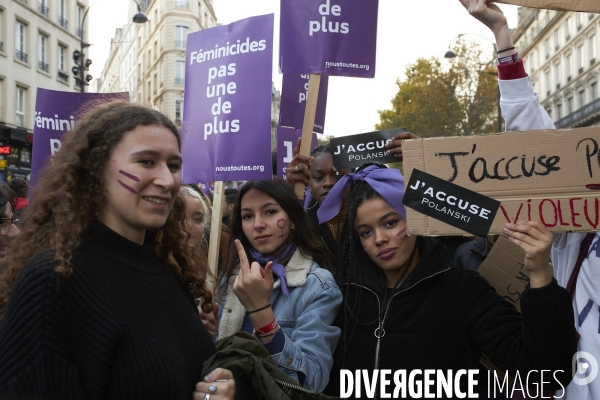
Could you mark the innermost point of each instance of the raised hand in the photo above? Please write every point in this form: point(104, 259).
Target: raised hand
point(394, 148)
point(253, 285)
point(536, 240)
point(297, 170)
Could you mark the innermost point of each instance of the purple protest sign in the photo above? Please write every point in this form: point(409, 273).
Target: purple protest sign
point(227, 108)
point(328, 37)
point(294, 92)
point(286, 141)
point(56, 113)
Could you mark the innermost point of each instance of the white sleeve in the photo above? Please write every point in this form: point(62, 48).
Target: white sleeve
point(521, 106)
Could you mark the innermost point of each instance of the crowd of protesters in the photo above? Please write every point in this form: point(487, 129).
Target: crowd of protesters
point(104, 289)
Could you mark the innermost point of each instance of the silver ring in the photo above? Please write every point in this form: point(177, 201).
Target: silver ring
point(212, 388)
point(207, 396)
point(296, 169)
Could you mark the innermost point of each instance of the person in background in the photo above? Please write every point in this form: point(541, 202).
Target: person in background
point(230, 195)
point(98, 298)
point(8, 228)
point(20, 186)
point(274, 285)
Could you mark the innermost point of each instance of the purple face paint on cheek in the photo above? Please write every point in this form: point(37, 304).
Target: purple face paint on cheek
point(401, 232)
point(132, 177)
point(281, 224)
point(132, 190)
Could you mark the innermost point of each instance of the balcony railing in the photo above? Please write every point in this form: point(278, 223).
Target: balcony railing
point(180, 81)
point(21, 56)
point(79, 32)
point(63, 76)
point(580, 115)
point(180, 44)
point(182, 4)
point(43, 66)
point(62, 22)
point(43, 9)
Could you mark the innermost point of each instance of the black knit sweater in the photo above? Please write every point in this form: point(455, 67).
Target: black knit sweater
point(121, 326)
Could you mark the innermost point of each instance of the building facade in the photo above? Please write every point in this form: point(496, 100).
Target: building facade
point(148, 60)
point(37, 39)
point(560, 50)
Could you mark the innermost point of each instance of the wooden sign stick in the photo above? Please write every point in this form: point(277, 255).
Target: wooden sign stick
point(215, 235)
point(308, 125)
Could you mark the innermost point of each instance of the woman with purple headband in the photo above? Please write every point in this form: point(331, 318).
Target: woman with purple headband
point(404, 308)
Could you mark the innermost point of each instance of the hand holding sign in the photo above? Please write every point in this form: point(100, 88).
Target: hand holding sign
point(536, 240)
point(486, 12)
point(394, 148)
point(297, 170)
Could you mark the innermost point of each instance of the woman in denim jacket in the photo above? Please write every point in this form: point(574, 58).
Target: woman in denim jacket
point(274, 287)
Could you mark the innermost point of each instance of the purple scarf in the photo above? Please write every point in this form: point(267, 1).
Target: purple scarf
point(388, 182)
point(278, 269)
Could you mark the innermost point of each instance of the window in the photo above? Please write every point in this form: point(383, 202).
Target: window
point(155, 84)
point(580, 60)
point(79, 16)
point(570, 105)
point(578, 20)
point(178, 112)
point(62, 52)
point(557, 75)
point(62, 13)
point(547, 48)
point(42, 52)
point(559, 111)
point(532, 61)
point(594, 90)
point(43, 7)
point(548, 84)
point(593, 49)
point(155, 49)
point(568, 29)
point(20, 41)
point(582, 98)
point(568, 66)
point(181, 32)
point(1, 31)
point(20, 106)
point(180, 71)
point(556, 40)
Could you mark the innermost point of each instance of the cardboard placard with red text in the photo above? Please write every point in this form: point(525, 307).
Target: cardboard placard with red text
point(548, 176)
point(561, 5)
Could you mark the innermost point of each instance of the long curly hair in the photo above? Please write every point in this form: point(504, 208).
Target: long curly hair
point(70, 194)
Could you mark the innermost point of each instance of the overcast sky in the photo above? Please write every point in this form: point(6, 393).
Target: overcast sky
point(407, 30)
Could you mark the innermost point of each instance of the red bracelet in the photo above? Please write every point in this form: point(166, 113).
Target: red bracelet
point(267, 328)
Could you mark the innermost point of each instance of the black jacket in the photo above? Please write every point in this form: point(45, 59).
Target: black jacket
point(444, 318)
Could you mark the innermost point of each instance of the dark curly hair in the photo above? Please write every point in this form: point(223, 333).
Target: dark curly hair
point(70, 194)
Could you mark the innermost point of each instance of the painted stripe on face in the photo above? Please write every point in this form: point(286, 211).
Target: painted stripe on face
point(401, 232)
point(129, 188)
point(132, 177)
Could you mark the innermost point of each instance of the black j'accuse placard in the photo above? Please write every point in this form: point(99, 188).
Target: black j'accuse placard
point(356, 150)
point(462, 208)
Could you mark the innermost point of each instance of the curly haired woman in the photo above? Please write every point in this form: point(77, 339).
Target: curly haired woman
point(98, 299)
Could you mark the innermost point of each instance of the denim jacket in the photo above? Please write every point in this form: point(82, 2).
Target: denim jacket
point(306, 318)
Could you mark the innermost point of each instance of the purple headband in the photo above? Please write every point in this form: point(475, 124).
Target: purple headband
point(388, 182)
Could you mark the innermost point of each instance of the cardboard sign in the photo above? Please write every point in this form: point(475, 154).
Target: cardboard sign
point(503, 269)
point(592, 6)
point(227, 109)
point(450, 203)
point(356, 150)
point(57, 112)
point(286, 141)
point(548, 176)
point(328, 37)
point(294, 92)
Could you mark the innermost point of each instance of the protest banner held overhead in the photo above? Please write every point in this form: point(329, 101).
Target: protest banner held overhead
point(328, 37)
point(227, 106)
point(547, 176)
point(286, 141)
point(294, 94)
point(57, 112)
point(355, 150)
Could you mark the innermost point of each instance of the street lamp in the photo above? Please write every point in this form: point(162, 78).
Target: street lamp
point(78, 55)
point(450, 55)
